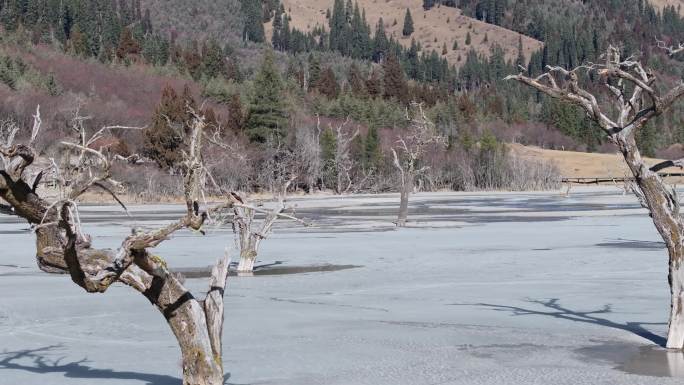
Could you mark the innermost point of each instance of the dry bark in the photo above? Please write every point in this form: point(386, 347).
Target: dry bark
point(61, 247)
point(250, 233)
point(409, 151)
point(636, 101)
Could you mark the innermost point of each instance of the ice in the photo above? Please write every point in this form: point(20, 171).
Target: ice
point(481, 288)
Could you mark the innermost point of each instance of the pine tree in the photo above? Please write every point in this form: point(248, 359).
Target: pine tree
point(372, 155)
point(52, 87)
point(413, 61)
point(327, 84)
point(276, 40)
point(285, 34)
point(77, 42)
point(380, 43)
point(338, 26)
point(427, 4)
point(314, 70)
point(467, 39)
point(374, 84)
point(444, 49)
point(213, 63)
point(408, 24)
point(520, 61)
point(147, 22)
point(254, 29)
point(235, 120)
point(394, 80)
point(454, 47)
point(356, 82)
point(164, 141)
point(267, 119)
point(127, 45)
point(9, 15)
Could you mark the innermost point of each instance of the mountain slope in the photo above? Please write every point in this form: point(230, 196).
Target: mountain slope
point(197, 19)
point(433, 28)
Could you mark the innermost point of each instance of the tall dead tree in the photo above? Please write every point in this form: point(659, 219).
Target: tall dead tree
point(409, 151)
point(342, 161)
point(62, 246)
point(632, 100)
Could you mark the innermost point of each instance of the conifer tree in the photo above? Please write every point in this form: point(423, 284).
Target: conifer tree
point(413, 61)
point(467, 39)
point(267, 119)
point(9, 15)
point(213, 63)
point(127, 45)
point(327, 84)
point(285, 34)
point(408, 24)
point(374, 84)
point(314, 70)
point(356, 82)
point(394, 80)
point(380, 43)
point(372, 155)
point(235, 120)
point(520, 61)
point(338, 26)
point(254, 29)
point(163, 143)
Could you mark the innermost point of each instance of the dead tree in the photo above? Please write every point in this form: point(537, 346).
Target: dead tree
point(409, 152)
point(633, 100)
point(250, 233)
point(62, 247)
point(343, 161)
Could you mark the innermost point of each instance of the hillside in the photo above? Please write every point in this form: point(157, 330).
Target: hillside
point(197, 20)
point(664, 3)
point(433, 28)
point(572, 164)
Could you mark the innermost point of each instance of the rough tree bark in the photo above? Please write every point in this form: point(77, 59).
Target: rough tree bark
point(636, 100)
point(249, 236)
point(409, 152)
point(62, 247)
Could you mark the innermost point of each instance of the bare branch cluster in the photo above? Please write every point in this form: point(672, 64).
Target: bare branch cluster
point(63, 247)
point(634, 100)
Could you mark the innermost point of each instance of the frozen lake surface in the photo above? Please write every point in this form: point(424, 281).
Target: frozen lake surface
point(483, 288)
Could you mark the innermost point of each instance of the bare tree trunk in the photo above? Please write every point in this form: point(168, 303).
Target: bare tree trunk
point(249, 237)
point(675, 333)
point(404, 194)
point(247, 259)
point(663, 205)
point(189, 321)
point(61, 247)
point(635, 100)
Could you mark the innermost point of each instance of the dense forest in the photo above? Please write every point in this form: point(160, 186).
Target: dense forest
point(285, 101)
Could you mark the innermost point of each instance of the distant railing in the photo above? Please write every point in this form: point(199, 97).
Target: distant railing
point(607, 179)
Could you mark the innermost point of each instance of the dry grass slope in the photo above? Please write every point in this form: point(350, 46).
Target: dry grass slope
point(433, 28)
point(660, 4)
point(573, 164)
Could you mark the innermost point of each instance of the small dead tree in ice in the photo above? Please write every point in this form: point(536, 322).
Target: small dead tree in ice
point(342, 163)
point(250, 232)
point(409, 152)
point(633, 100)
point(62, 247)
